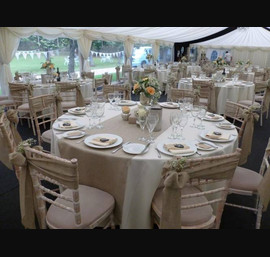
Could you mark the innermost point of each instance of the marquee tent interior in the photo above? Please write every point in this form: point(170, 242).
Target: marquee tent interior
point(245, 43)
point(249, 43)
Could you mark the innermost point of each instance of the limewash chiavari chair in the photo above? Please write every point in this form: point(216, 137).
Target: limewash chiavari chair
point(247, 182)
point(77, 206)
point(192, 194)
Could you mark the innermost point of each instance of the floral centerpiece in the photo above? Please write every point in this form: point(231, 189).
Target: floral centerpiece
point(149, 57)
point(149, 89)
point(239, 63)
point(219, 62)
point(184, 59)
point(48, 65)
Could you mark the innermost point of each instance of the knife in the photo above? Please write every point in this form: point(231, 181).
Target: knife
point(144, 149)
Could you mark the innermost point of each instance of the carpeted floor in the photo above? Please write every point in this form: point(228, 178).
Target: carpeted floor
point(233, 218)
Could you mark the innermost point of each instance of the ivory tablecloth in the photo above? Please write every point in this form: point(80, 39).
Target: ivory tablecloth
point(233, 91)
point(131, 179)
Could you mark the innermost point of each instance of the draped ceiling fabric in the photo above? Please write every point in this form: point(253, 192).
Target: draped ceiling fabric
point(157, 36)
point(245, 43)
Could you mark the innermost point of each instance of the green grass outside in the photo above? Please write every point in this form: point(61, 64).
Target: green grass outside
point(33, 65)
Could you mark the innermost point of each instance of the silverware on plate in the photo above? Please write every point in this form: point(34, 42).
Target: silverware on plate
point(115, 150)
point(145, 148)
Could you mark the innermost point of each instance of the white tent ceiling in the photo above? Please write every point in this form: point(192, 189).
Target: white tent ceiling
point(169, 34)
point(246, 37)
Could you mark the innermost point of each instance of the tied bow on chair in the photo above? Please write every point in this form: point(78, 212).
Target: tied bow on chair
point(174, 180)
point(249, 116)
point(12, 116)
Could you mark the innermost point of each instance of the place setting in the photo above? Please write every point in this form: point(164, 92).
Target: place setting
point(177, 147)
point(65, 124)
point(217, 136)
point(213, 117)
point(103, 141)
point(77, 111)
point(170, 105)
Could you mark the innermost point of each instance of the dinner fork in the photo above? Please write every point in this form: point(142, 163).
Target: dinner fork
point(115, 150)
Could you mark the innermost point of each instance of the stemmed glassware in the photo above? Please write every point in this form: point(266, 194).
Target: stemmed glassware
point(183, 119)
point(90, 111)
point(100, 112)
point(194, 112)
point(111, 99)
point(201, 115)
point(174, 120)
point(151, 123)
point(142, 119)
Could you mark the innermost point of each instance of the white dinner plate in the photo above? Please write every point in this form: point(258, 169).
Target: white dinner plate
point(134, 148)
point(127, 102)
point(73, 111)
point(170, 105)
point(214, 147)
point(208, 118)
point(230, 126)
point(66, 134)
point(88, 140)
point(160, 147)
point(203, 133)
point(57, 123)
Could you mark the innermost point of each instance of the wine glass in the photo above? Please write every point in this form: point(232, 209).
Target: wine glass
point(151, 123)
point(117, 97)
point(90, 112)
point(142, 119)
point(201, 115)
point(183, 119)
point(111, 100)
point(174, 120)
point(99, 113)
point(194, 112)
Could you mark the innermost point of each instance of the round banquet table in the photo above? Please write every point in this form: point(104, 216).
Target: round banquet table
point(131, 179)
point(48, 88)
point(233, 91)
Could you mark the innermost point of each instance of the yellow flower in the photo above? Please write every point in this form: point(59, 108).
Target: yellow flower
point(136, 86)
point(144, 79)
point(151, 90)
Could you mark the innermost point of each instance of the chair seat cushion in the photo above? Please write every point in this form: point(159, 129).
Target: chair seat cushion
point(24, 107)
point(259, 97)
point(7, 102)
point(245, 179)
point(94, 204)
point(249, 103)
point(47, 136)
point(203, 101)
point(68, 104)
point(189, 217)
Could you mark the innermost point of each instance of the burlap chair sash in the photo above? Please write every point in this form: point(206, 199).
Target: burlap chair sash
point(264, 186)
point(176, 177)
point(12, 116)
point(62, 172)
point(246, 142)
point(64, 87)
point(18, 92)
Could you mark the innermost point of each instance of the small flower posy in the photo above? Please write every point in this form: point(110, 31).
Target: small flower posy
point(219, 61)
point(149, 57)
point(47, 64)
point(149, 86)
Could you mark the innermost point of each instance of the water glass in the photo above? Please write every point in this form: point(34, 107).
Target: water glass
point(142, 122)
point(174, 120)
point(201, 115)
point(183, 119)
point(100, 110)
point(152, 121)
point(194, 112)
point(90, 111)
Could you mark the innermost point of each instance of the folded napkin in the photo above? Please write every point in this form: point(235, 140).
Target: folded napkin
point(178, 148)
point(103, 141)
point(204, 146)
point(74, 133)
point(212, 116)
point(68, 124)
point(225, 125)
point(218, 135)
point(78, 110)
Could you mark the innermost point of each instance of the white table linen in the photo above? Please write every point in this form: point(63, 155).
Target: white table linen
point(144, 171)
point(233, 91)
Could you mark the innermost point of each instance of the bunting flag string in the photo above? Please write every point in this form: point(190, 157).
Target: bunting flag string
point(56, 52)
